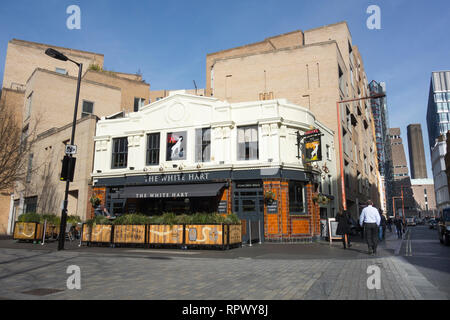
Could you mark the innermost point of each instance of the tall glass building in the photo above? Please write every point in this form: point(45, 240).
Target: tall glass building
point(438, 123)
point(381, 121)
point(438, 114)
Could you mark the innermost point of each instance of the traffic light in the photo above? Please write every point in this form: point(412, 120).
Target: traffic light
point(68, 168)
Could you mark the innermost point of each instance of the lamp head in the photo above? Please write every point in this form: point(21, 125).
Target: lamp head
point(56, 54)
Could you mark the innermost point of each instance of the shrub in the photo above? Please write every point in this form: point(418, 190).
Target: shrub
point(232, 219)
point(30, 217)
point(134, 219)
point(98, 220)
point(169, 218)
point(51, 219)
point(73, 219)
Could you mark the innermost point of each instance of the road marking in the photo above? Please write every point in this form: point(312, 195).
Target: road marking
point(408, 250)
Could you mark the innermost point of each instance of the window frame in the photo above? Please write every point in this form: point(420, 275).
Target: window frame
point(157, 149)
point(247, 147)
point(115, 156)
point(201, 144)
point(295, 185)
point(140, 103)
point(84, 113)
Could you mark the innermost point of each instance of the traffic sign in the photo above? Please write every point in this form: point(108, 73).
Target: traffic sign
point(71, 149)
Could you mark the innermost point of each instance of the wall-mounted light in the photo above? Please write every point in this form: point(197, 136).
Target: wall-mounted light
point(99, 171)
point(131, 168)
point(161, 169)
point(270, 160)
point(221, 162)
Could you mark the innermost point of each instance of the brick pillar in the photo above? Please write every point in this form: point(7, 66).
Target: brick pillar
point(313, 209)
point(277, 225)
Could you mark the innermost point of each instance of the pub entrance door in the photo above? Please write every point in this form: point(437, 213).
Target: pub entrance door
point(248, 200)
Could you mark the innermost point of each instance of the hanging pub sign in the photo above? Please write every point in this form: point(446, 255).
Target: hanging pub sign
point(176, 146)
point(312, 147)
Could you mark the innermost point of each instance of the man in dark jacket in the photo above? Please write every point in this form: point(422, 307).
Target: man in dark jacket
point(399, 226)
point(382, 227)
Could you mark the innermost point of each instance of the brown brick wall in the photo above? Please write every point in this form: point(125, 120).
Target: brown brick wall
point(282, 224)
point(130, 88)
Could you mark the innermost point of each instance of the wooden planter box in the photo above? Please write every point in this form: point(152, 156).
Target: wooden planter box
point(207, 234)
point(130, 234)
point(28, 231)
point(97, 233)
point(51, 231)
point(234, 234)
point(218, 235)
point(165, 234)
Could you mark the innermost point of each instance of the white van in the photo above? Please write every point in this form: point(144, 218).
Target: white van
point(410, 222)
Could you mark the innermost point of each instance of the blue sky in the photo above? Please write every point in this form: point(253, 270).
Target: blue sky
point(168, 40)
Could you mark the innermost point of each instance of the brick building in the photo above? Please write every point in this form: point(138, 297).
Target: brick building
point(402, 193)
point(188, 154)
point(41, 90)
point(314, 68)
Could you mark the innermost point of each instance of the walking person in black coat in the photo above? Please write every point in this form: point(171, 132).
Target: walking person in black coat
point(343, 228)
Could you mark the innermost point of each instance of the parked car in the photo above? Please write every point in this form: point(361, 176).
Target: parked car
point(410, 222)
point(443, 227)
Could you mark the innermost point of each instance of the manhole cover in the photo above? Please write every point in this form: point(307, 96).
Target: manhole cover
point(42, 291)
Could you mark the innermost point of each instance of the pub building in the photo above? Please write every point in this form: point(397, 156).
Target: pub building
point(262, 160)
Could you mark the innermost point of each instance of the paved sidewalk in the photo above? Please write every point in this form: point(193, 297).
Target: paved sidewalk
point(268, 271)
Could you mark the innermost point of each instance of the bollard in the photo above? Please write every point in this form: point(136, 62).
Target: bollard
point(45, 230)
point(250, 232)
point(259, 230)
point(81, 235)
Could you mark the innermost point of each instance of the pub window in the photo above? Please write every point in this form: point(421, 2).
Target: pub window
point(88, 108)
point(203, 145)
point(153, 142)
point(119, 153)
point(248, 143)
point(296, 198)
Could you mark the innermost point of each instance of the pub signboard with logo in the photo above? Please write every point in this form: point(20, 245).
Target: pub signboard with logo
point(311, 145)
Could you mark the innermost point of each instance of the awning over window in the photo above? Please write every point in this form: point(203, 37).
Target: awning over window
point(173, 191)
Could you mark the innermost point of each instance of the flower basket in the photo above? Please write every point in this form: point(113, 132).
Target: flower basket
point(95, 201)
point(269, 197)
point(321, 199)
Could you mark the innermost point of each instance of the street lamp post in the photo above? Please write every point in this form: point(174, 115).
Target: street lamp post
point(341, 157)
point(59, 56)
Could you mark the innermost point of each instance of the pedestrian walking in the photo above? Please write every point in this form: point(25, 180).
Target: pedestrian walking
point(382, 227)
point(370, 220)
point(389, 224)
point(399, 227)
point(343, 228)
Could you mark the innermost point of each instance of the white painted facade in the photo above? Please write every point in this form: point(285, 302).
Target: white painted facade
point(277, 121)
